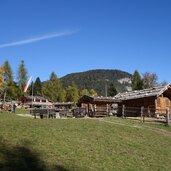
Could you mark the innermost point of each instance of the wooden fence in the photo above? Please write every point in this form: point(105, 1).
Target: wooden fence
point(146, 114)
point(43, 113)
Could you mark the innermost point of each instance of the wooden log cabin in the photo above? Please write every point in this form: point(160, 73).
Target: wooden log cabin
point(36, 101)
point(154, 100)
point(97, 106)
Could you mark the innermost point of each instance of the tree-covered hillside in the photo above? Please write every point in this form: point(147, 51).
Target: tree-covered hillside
point(95, 79)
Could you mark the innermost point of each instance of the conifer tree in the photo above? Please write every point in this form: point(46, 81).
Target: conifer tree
point(137, 83)
point(22, 76)
point(8, 74)
point(10, 89)
point(30, 89)
point(37, 87)
point(112, 90)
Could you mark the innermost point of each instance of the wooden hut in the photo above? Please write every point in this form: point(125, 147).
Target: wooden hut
point(97, 106)
point(36, 101)
point(154, 100)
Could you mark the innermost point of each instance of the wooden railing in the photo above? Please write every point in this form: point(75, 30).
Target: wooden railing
point(143, 113)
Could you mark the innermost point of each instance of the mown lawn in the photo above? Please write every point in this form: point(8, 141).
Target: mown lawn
point(22, 111)
point(79, 144)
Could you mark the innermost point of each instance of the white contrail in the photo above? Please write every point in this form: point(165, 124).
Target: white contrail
point(36, 39)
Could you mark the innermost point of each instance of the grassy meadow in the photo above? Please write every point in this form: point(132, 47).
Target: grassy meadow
point(80, 144)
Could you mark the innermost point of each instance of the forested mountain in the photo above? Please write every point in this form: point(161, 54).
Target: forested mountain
point(72, 86)
point(95, 79)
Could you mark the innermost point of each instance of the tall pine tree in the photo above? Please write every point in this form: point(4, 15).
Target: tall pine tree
point(137, 83)
point(11, 89)
point(37, 87)
point(22, 76)
point(8, 74)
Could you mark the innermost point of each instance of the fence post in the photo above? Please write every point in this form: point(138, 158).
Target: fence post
point(167, 116)
point(48, 113)
point(107, 109)
point(142, 114)
point(123, 111)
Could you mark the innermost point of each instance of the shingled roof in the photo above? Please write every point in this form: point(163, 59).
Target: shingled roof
point(95, 99)
point(63, 103)
point(39, 103)
point(137, 94)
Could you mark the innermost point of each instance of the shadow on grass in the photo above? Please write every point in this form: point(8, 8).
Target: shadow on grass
point(21, 158)
point(60, 168)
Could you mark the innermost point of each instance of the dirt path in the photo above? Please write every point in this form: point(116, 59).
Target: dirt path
point(25, 115)
point(154, 129)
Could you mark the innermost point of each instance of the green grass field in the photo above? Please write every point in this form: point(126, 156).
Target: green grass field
point(79, 144)
point(138, 123)
point(22, 111)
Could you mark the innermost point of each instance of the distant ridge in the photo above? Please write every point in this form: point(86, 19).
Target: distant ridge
point(95, 79)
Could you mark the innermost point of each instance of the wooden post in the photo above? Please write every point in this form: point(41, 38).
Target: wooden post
point(142, 114)
point(91, 107)
point(107, 109)
point(167, 117)
point(48, 115)
point(34, 115)
point(95, 109)
point(123, 111)
point(149, 111)
point(94, 112)
point(88, 110)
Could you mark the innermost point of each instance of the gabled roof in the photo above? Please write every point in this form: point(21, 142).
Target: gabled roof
point(137, 94)
point(94, 99)
point(39, 103)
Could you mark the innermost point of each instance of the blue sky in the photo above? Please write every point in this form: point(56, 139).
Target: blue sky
point(68, 36)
